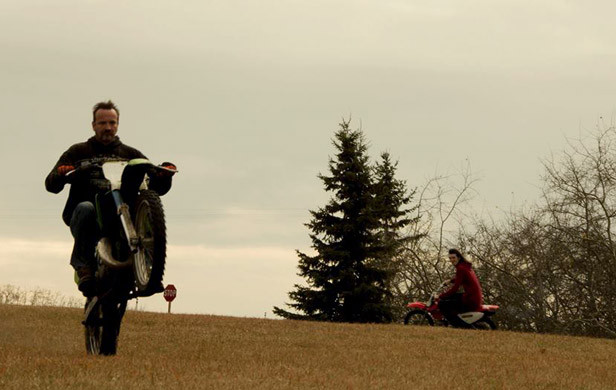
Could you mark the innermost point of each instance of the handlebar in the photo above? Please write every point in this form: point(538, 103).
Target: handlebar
point(84, 168)
point(92, 170)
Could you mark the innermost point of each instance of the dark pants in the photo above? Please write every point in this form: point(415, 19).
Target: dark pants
point(86, 232)
point(450, 307)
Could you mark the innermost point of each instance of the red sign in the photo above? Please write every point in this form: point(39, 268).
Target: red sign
point(170, 292)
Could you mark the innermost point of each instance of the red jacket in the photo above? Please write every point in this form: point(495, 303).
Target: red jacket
point(465, 277)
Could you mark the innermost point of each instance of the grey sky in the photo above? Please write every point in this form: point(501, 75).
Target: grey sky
point(245, 95)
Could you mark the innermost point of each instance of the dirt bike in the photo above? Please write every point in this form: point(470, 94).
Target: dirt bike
point(428, 313)
point(131, 253)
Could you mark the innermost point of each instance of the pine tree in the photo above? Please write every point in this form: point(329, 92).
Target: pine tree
point(390, 206)
point(345, 280)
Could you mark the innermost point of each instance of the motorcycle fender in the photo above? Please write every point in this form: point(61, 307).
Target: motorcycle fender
point(417, 305)
point(490, 308)
point(113, 172)
point(471, 316)
point(134, 177)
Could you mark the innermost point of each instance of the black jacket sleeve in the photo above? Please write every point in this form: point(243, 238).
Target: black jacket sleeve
point(54, 182)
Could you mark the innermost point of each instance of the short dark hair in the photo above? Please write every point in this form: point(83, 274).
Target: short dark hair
point(457, 253)
point(108, 105)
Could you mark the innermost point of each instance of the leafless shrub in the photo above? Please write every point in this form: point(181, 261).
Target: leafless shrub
point(13, 295)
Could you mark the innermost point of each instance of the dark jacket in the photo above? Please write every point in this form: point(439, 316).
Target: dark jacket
point(465, 277)
point(80, 190)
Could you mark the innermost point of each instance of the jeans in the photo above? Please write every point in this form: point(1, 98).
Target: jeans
point(86, 232)
point(450, 307)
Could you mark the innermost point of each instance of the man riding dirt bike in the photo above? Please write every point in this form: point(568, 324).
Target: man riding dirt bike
point(112, 180)
point(79, 212)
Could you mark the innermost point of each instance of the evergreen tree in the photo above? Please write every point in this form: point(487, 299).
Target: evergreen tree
point(346, 280)
point(390, 206)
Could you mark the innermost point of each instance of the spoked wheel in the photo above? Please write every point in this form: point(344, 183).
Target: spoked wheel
point(418, 317)
point(94, 330)
point(102, 328)
point(485, 324)
point(149, 261)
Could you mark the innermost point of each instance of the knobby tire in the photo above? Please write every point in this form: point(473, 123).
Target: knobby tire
point(420, 316)
point(102, 333)
point(487, 321)
point(149, 261)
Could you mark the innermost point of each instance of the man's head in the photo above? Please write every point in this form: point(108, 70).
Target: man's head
point(105, 120)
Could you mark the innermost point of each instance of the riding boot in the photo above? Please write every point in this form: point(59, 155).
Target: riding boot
point(87, 281)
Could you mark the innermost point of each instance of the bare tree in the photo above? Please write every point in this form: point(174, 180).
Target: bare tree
point(440, 210)
point(580, 208)
point(553, 267)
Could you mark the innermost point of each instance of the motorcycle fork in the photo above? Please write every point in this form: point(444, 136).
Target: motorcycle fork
point(127, 224)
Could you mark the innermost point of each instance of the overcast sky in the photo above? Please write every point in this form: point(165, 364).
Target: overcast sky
point(244, 96)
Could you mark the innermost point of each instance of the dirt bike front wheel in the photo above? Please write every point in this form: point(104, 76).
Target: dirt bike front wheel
point(418, 317)
point(149, 261)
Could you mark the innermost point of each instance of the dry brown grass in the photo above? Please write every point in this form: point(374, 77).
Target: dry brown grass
point(43, 348)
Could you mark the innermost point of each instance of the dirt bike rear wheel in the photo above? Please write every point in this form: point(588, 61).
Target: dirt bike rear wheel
point(418, 317)
point(103, 329)
point(93, 332)
point(485, 323)
point(149, 261)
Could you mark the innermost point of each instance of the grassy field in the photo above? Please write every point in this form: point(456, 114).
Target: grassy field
point(43, 348)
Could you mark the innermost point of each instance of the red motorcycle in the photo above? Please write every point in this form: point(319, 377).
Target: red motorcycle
point(428, 313)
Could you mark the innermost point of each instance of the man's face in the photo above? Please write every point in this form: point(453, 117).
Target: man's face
point(105, 126)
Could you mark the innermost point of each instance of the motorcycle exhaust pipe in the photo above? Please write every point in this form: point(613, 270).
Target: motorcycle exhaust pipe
point(103, 250)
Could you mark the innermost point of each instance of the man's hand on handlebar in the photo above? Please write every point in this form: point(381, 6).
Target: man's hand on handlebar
point(170, 170)
point(72, 174)
point(64, 169)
